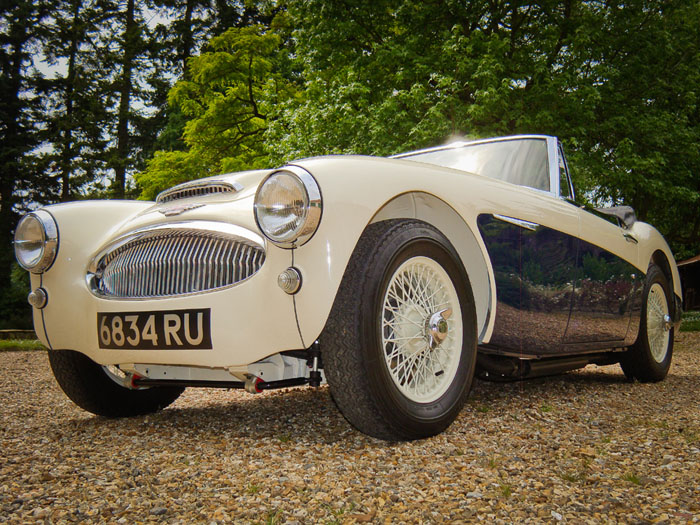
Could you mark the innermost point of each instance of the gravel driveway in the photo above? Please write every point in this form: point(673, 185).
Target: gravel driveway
point(584, 447)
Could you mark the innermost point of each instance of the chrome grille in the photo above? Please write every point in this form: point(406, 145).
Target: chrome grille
point(197, 189)
point(175, 261)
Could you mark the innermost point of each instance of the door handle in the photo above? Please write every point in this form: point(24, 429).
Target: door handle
point(630, 238)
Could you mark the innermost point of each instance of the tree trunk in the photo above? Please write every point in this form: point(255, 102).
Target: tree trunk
point(126, 85)
point(187, 39)
point(65, 168)
point(11, 152)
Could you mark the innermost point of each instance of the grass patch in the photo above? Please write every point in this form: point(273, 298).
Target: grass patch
point(690, 322)
point(338, 515)
point(573, 477)
point(274, 517)
point(19, 345)
point(631, 477)
point(506, 490)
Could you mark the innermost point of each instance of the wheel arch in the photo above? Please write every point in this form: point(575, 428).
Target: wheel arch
point(436, 212)
point(660, 259)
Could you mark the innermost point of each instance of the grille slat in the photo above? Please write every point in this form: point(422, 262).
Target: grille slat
point(177, 261)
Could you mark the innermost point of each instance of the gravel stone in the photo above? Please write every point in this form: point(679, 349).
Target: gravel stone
point(583, 447)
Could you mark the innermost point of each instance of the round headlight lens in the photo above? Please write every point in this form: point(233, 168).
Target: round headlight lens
point(288, 207)
point(36, 241)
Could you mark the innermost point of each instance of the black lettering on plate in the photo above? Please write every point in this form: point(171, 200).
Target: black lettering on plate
point(157, 330)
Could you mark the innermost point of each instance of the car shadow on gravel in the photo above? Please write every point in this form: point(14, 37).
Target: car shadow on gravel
point(297, 414)
point(311, 417)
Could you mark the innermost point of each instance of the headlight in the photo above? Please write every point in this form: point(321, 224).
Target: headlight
point(36, 241)
point(288, 207)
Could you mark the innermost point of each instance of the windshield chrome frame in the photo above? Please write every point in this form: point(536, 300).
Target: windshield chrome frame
point(552, 156)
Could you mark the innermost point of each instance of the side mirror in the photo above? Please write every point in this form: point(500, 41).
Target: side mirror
point(624, 214)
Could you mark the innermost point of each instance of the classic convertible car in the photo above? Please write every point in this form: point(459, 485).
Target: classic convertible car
point(394, 280)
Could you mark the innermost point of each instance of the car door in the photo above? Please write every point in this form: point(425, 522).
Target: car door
point(607, 285)
point(535, 267)
point(534, 252)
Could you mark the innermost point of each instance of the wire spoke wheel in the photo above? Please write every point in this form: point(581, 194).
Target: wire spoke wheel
point(421, 366)
point(649, 359)
point(399, 348)
point(657, 322)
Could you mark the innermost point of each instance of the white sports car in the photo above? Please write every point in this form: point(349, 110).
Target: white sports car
point(394, 280)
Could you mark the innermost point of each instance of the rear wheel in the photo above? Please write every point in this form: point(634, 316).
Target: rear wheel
point(650, 358)
point(100, 390)
point(399, 348)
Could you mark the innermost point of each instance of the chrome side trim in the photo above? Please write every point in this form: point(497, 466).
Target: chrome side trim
point(532, 226)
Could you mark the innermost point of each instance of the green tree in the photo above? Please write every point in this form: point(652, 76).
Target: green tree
point(19, 24)
point(642, 62)
point(75, 113)
point(228, 99)
point(617, 82)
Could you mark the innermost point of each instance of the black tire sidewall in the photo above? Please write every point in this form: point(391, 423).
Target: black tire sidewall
point(412, 417)
point(648, 368)
point(87, 384)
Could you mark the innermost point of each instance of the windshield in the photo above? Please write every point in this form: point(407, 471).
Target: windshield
point(518, 161)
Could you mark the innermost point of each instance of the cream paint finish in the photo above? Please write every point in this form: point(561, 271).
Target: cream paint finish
point(324, 258)
point(255, 319)
point(249, 321)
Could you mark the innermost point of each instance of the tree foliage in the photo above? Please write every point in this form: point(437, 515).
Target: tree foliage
point(95, 91)
point(228, 98)
point(19, 129)
point(617, 82)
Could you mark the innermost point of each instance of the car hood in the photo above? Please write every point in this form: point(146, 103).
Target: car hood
point(202, 200)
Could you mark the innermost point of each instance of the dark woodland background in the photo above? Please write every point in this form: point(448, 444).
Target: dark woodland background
point(109, 99)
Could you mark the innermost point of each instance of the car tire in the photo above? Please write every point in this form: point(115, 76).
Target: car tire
point(90, 386)
point(383, 370)
point(649, 359)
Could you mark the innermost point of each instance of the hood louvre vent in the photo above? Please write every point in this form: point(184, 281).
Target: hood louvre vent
point(197, 189)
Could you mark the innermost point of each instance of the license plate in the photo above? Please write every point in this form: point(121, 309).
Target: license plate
point(155, 330)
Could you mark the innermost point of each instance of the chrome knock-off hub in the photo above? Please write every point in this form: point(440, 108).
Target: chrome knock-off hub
point(436, 327)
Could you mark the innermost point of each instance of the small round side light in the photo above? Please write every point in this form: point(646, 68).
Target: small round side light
point(290, 280)
point(38, 298)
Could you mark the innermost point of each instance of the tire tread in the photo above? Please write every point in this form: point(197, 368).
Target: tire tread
point(341, 338)
point(89, 387)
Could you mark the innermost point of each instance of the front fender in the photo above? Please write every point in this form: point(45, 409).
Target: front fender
point(398, 190)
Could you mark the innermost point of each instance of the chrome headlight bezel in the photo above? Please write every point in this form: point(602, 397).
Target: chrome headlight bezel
point(48, 241)
point(311, 209)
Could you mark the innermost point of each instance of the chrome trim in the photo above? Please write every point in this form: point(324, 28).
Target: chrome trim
point(38, 298)
point(553, 162)
point(50, 250)
point(314, 210)
point(289, 280)
point(177, 259)
point(462, 143)
point(179, 209)
point(569, 181)
point(532, 226)
point(437, 327)
point(630, 238)
point(196, 189)
point(551, 145)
